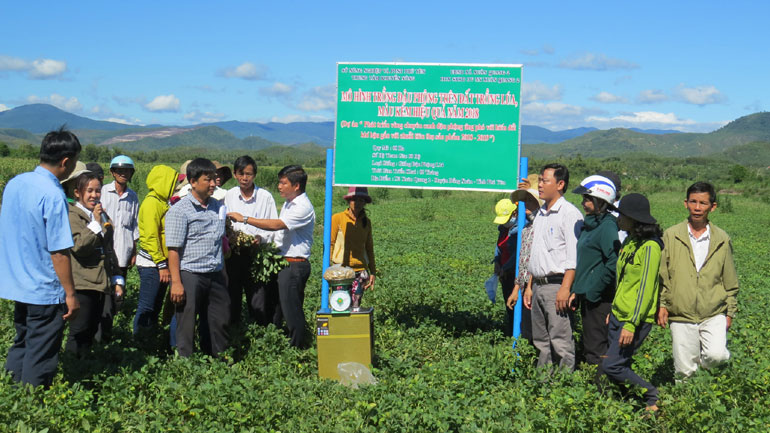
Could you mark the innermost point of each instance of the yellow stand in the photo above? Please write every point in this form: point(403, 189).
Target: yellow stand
point(345, 337)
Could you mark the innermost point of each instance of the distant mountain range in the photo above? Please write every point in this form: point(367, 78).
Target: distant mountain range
point(735, 141)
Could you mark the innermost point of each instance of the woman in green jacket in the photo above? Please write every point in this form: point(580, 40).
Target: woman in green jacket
point(597, 257)
point(94, 266)
point(636, 296)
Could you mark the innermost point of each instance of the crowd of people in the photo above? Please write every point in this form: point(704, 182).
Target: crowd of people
point(70, 256)
point(621, 271)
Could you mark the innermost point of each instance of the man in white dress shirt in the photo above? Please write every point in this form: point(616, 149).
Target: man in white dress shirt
point(294, 237)
point(552, 265)
point(252, 202)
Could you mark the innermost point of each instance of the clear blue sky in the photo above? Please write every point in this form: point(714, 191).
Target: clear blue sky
point(676, 65)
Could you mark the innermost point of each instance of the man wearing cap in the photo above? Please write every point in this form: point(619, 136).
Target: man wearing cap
point(294, 237)
point(35, 260)
point(122, 205)
point(552, 265)
point(251, 202)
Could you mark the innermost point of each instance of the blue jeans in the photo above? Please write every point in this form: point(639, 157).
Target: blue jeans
point(150, 302)
point(617, 364)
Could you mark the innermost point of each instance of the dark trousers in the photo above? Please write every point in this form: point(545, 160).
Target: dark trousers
point(507, 281)
point(111, 307)
point(206, 299)
point(291, 293)
point(150, 302)
point(34, 355)
point(85, 324)
point(594, 315)
point(617, 364)
point(261, 299)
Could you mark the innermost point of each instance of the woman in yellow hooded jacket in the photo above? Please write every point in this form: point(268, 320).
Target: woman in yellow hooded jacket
point(151, 260)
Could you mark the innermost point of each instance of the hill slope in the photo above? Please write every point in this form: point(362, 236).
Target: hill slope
point(41, 118)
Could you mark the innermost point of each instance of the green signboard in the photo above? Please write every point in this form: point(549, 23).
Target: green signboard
point(439, 126)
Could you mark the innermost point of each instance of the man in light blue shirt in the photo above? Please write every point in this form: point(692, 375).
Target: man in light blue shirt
point(194, 229)
point(35, 239)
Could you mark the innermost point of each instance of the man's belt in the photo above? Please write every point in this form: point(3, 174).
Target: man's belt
point(295, 259)
point(549, 279)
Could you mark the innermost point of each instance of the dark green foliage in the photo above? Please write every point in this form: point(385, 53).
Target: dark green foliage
point(441, 360)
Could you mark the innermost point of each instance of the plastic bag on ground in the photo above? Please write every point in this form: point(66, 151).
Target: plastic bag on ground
point(353, 374)
point(491, 286)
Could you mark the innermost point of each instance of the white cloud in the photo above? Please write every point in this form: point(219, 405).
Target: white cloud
point(39, 69)
point(277, 89)
point(70, 104)
point(319, 98)
point(651, 96)
point(3, 107)
point(556, 115)
point(609, 98)
point(246, 71)
point(163, 103)
point(596, 62)
point(532, 91)
point(527, 52)
point(547, 49)
point(196, 116)
point(644, 118)
point(701, 95)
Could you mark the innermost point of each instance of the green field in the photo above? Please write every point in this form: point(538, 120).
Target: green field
point(441, 360)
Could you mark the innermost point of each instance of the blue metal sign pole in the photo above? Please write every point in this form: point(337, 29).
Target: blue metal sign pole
point(521, 221)
point(327, 230)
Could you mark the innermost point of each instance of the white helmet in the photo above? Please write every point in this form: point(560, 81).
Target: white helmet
point(599, 187)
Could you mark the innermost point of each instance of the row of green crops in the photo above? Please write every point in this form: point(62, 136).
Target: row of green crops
point(441, 360)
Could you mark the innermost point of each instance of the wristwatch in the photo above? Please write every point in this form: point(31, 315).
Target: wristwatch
point(245, 219)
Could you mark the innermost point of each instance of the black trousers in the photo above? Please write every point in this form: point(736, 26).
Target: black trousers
point(291, 292)
point(206, 300)
point(595, 343)
point(111, 307)
point(85, 324)
point(261, 299)
point(617, 364)
point(34, 355)
point(507, 282)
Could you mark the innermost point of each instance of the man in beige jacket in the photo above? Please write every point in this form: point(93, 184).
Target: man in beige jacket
point(699, 285)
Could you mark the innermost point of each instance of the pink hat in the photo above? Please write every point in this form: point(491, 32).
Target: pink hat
point(358, 191)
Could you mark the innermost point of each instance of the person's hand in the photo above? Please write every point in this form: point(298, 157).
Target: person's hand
point(607, 320)
point(626, 337)
point(257, 240)
point(524, 184)
point(513, 298)
point(370, 283)
point(73, 306)
point(572, 302)
point(119, 291)
point(528, 298)
point(235, 216)
point(133, 261)
point(177, 292)
point(98, 212)
point(663, 317)
point(562, 300)
point(164, 275)
point(729, 322)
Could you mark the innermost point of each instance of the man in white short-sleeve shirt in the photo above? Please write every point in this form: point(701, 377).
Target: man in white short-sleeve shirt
point(294, 238)
point(552, 264)
point(251, 202)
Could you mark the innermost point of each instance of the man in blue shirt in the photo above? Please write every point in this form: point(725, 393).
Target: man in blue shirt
point(35, 239)
point(194, 229)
